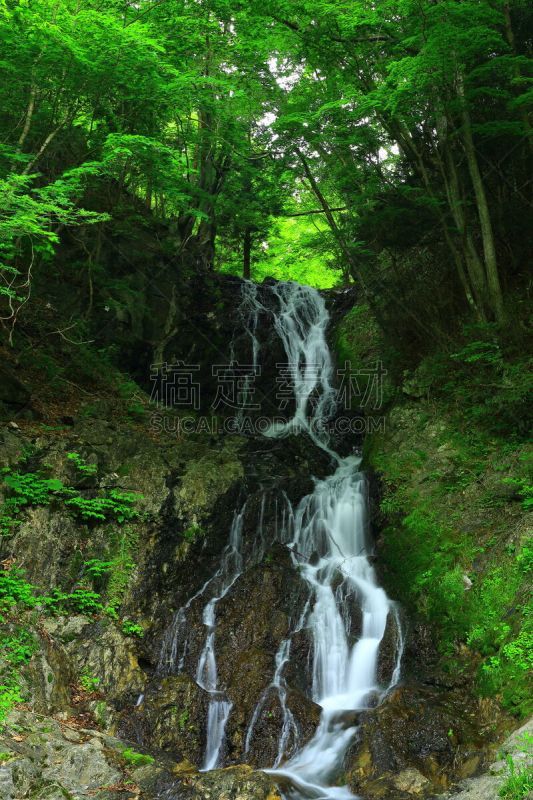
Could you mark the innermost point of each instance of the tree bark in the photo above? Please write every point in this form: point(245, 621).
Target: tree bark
point(247, 254)
point(29, 115)
point(487, 233)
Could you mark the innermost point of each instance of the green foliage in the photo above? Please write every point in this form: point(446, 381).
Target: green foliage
point(8, 522)
point(489, 386)
point(10, 695)
point(89, 682)
point(471, 587)
point(131, 628)
point(134, 759)
point(17, 646)
point(295, 249)
point(15, 589)
point(192, 533)
point(519, 781)
point(30, 489)
point(81, 600)
point(81, 466)
point(508, 673)
point(96, 568)
point(28, 214)
point(117, 506)
point(524, 489)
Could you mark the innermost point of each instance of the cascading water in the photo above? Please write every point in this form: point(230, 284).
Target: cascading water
point(327, 536)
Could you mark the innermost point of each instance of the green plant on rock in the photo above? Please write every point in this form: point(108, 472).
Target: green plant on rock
point(30, 489)
point(192, 533)
point(117, 506)
point(519, 781)
point(130, 628)
point(15, 589)
point(80, 601)
point(17, 646)
point(8, 522)
point(81, 465)
point(123, 542)
point(10, 695)
point(134, 759)
point(183, 719)
point(508, 672)
point(88, 681)
point(96, 568)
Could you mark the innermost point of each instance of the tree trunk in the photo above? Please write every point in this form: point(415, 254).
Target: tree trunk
point(476, 274)
point(351, 266)
point(487, 233)
point(247, 255)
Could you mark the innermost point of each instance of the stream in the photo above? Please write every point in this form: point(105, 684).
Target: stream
point(327, 534)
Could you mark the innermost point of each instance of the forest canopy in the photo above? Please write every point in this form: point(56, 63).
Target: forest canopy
point(384, 144)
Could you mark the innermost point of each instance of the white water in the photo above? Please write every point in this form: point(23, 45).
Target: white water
point(331, 535)
point(327, 534)
point(301, 324)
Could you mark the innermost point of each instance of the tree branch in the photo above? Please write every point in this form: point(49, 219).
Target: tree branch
point(315, 211)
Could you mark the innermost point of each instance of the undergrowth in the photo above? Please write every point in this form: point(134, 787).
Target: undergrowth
point(101, 584)
point(454, 470)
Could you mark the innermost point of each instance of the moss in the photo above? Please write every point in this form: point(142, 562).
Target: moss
point(207, 478)
point(455, 541)
point(456, 489)
point(134, 759)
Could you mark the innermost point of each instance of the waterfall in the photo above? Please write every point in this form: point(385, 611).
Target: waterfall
point(327, 535)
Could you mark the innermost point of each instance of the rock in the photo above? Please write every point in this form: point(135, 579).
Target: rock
point(235, 783)
point(428, 736)
point(411, 781)
point(487, 786)
point(388, 650)
point(467, 583)
point(44, 758)
point(170, 718)
point(51, 674)
point(47, 760)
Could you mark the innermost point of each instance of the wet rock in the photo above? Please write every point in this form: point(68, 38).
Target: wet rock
point(235, 783)
point(298, 671)
point(435, 734)
point(253, 620)
point(171, 718)
point(388, 650)
point(267, 731)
